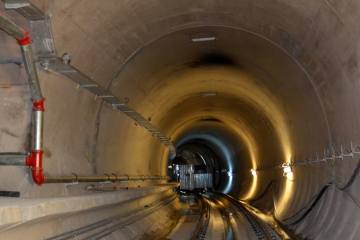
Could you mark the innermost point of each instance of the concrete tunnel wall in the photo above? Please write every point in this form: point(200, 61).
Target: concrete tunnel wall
point(288, 91)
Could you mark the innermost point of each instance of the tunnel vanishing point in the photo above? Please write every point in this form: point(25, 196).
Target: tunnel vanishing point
point(181, 120)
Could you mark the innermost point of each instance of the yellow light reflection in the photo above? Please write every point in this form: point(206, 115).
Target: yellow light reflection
point(282, 204)
point(176, 88)
point(252, 190)
point(240, 129)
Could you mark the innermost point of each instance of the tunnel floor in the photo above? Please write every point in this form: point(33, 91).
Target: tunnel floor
point(218, 216)
point(201, 215)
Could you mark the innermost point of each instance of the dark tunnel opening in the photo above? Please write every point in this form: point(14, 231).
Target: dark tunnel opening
point(203, 159)
point(210, 148)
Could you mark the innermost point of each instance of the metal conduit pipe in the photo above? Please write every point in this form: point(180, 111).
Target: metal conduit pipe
point(101, 178)
point(13, 159)
point(11, 28)
point(35, 157)
point(34, 160)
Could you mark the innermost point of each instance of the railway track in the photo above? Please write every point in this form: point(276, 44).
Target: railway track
point(261, 229)
point(229, 209)
point(218, 220)
point(201, 228)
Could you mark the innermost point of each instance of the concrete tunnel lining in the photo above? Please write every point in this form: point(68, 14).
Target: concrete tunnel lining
point(194, 87)
point(312, 85)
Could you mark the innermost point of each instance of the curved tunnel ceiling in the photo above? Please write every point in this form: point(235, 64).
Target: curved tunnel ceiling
point(262, 77)
point(240, 79)
point(277, 79)
point(265, 82)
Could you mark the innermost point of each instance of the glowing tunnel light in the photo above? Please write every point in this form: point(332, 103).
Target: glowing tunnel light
point(285, 199)
point(287, 171)
point(203, 39)
point(253, 187)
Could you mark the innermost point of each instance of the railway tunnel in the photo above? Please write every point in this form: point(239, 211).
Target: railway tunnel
point(262, 94)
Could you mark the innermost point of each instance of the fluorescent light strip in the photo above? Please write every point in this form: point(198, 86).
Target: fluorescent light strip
point(203, 39)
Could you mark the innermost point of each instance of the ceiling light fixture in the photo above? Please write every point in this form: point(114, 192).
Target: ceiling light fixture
point(203, 39)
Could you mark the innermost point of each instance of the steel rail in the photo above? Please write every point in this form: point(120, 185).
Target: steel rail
point(262, 230)
point(203, 223)
point(229, 231)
